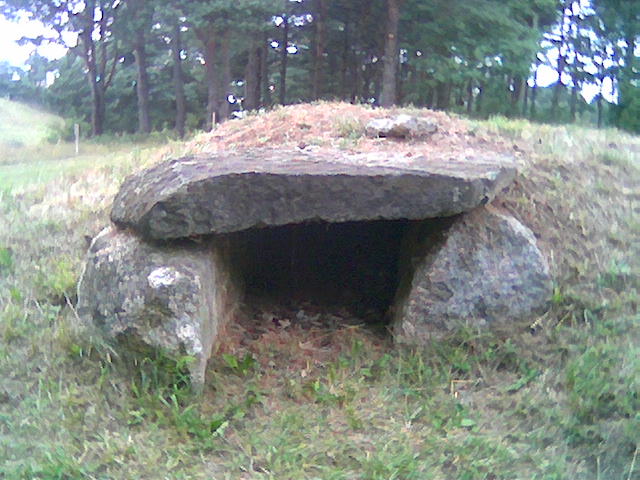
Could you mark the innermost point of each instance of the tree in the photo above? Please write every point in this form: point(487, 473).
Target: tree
point(621, 22)
point(136, 20)
point(93, 22)
point(391, 52)
point(178, 78)
point(320, 11)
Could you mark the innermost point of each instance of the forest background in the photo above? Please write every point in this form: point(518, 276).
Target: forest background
point(143, 65)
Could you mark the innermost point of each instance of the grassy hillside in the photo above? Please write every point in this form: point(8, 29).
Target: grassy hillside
point(24, 126)
point(33, 149)
point(559, 399)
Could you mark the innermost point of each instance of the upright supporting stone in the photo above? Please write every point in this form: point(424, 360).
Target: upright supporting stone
point(173, 298)
point(484, 270)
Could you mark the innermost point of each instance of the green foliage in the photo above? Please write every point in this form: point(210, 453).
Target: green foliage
point(13, 324)
point(6, 259)
point(470, 57)
point(349, 128)
point(603, 386)
point(603, 382)
point(628, 113)
point(617, 277)
point(57, 464)
point(240, 367)
point(58, 280)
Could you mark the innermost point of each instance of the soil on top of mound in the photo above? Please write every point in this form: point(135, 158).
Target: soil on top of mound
point(326, 126)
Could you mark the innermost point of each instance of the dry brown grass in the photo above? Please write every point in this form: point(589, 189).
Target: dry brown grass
point(581, 197)
point(332, 125)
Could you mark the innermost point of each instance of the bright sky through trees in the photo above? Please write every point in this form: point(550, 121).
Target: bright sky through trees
point(16, 54)
point(139, 62)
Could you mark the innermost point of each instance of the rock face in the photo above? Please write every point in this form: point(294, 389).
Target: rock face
point(485, 269)
point(174, 298)
point(228, 193)
point(402, 126)
point(150, 282)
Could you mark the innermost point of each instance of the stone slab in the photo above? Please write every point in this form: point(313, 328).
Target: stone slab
point(230, 192)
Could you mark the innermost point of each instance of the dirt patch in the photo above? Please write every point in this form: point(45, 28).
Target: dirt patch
point(299, 335)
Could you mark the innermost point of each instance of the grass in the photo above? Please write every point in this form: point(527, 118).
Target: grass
point(559, 401)
point(24, 126)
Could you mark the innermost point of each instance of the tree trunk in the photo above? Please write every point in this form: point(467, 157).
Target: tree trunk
point(178, 80)
point(626, 74)
point(97, 51)
point(391, 54)
point(320, 38)
point(430, 98)
point(401, 83)
point(224, 107)
point(252, 77)
point(264, 71)
point(345, 89)
point(213, 84)
point(97, 100)
point(355, 71)
point(88, 52)
point(366, 83)
point(534, 92)
point(518, 86)
point(599, 105)
point(534, 95)
point(555, 100)
point(461, 94)
point(525, 100)
point(562, 61)
point(443, 91)
point(97, 109)
point(574, 102)
point(142, 84)
point(284, 57)
point(469, 97)
point(479, 99)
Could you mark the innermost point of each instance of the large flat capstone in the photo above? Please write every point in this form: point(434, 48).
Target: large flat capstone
point(230, 192)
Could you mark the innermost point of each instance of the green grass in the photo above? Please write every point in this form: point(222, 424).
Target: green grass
point(47, 164)
point(24, 126)
point(562, 402)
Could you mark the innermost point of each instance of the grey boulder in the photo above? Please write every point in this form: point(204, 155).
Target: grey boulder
point(484, 270)
point(171, 298)
point(401, 126)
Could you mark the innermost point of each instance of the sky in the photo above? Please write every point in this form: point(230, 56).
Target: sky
point(17, 55)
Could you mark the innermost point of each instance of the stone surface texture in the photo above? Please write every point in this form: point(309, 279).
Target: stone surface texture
point(401, 126)
point(162, 276)
point(485, 269)
point(173, 298)
point(234, 192)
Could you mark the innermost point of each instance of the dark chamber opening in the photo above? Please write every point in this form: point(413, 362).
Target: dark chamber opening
point(352, 264)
